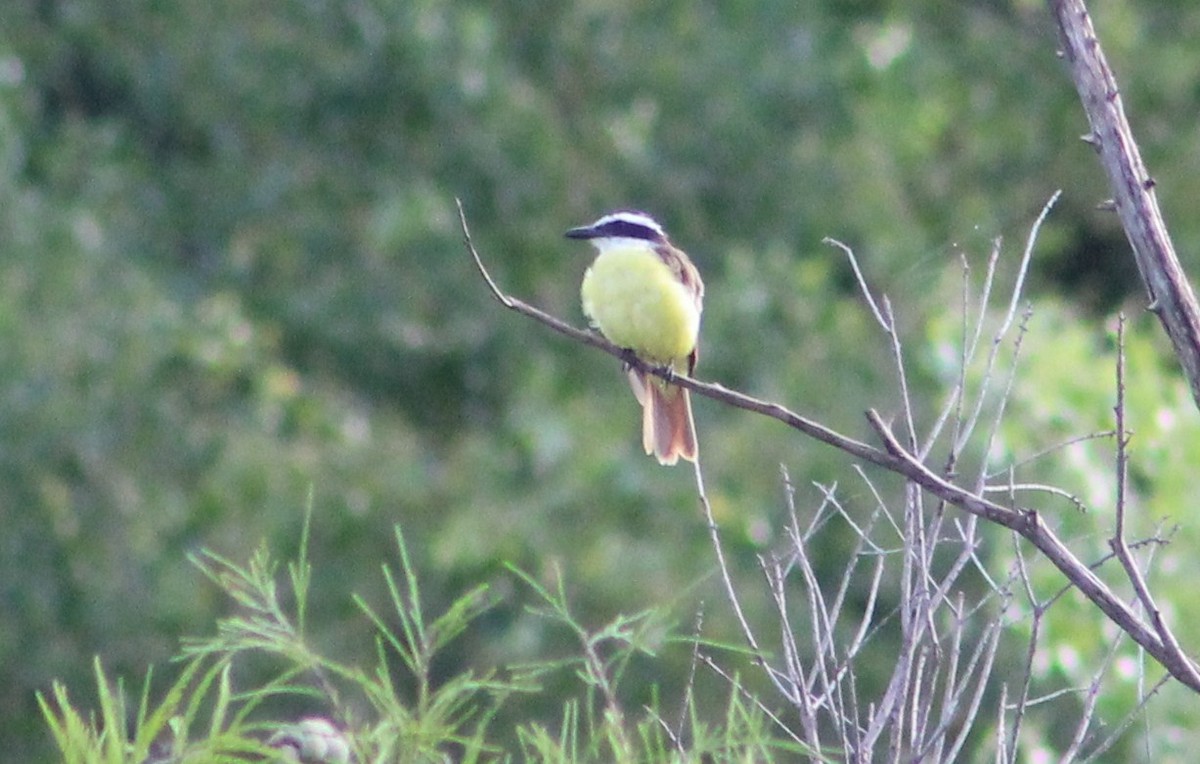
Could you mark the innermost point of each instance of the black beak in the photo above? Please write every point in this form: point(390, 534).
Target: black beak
point(585, 232)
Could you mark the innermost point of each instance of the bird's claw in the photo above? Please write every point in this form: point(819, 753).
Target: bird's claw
point(629, 358)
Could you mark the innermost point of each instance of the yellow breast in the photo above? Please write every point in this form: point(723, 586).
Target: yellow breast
point(636, 302)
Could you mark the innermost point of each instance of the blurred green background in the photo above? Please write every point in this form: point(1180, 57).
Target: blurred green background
point(231, 273)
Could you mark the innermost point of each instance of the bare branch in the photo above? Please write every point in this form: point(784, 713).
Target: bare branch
point(750, 697)
point(1011, 487)
point(1009, 317)
point(862, 282)
point(1022, 705)
point(1091, 697)
point(895, 458)
point(1028, 524)
point(1118, 543)
point(714, 532)
point(1139, 712)
point(1171, 296)
point(1051, 449)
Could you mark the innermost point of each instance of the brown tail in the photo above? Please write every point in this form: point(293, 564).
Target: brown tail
point(668, 431)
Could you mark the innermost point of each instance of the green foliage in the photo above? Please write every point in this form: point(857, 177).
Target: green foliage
point(208, 715)
point(200, 690)
point(230, 271)
point(202, 717)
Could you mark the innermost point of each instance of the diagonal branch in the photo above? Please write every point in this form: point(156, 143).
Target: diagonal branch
point(895, 458)
point(1171, 296)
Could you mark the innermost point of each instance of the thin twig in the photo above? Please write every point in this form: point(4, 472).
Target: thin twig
point(1048, 450)
point(1010, 488)
point(1009, 317)
point(1117, 543)
point(1091, 697)
point(862, 281)
point(747, 695)
point(685, 707)
point(1035, 626)
point(1122, 441)
point(989, 440)
point(1117, 732)
point(714, 532)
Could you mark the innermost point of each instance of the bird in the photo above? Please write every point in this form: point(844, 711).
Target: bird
point(643, 294)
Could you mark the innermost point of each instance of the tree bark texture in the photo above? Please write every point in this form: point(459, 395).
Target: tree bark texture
point(1171, 296)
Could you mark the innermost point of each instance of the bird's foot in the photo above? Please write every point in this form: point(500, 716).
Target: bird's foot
point(632, 361)
point(629, 358)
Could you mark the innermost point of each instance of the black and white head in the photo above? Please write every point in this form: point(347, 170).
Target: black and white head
point(622, 228)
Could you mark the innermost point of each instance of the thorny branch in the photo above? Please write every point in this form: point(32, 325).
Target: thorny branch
point(1171, 296)
point(895, 458)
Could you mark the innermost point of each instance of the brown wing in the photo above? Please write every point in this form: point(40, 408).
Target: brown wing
point(686, 273)
point(682, 267)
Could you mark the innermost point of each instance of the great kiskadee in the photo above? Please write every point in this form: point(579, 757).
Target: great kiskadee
point(644, 294)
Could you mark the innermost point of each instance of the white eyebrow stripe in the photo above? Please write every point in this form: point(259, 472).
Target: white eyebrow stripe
point(633, 218)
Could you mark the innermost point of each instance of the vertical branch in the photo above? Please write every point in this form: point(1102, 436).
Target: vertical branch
point(1118, 542)
point(1037, 611)
point(1171, 296)
point(1122, 435)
